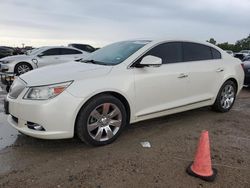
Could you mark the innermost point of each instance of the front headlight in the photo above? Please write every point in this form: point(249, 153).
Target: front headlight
point(46, 92)
point(6, 61)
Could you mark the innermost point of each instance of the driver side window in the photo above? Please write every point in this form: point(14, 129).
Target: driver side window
point(170, 52)
point(53, 51)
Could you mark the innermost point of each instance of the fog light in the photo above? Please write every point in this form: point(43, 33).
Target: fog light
point(35, 126)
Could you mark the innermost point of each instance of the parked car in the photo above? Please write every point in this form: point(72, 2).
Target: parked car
point(246, 58)
point(245, 52)
point(40, 57)
point(242, 54)
point(239, 56)
point(230, 52)
point(5, 51)
point(122, 83)
point(246, 65)
point(83, 47)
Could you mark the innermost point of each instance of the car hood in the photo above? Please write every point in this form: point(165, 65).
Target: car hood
point(64, 72)
point(16, 58)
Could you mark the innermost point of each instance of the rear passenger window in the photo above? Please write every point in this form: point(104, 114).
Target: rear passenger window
point(196, 52)
point(169, 52)
point(66, 51)
point(216, 54)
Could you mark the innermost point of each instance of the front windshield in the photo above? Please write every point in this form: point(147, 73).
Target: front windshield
point(115, 53)
point(34, 51)
point(245, 51)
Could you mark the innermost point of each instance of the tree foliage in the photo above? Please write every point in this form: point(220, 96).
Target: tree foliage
point(243, 44)
point(212, 41)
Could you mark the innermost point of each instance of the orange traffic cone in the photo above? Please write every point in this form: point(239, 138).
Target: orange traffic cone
point(202, 167)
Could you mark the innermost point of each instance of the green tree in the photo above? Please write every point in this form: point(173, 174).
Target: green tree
point(242, 44)
point(212, 41)
point(226, 46)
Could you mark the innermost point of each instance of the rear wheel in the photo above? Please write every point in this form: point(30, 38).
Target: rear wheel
point(101, 120)
point(22, 68)
point(226, 97)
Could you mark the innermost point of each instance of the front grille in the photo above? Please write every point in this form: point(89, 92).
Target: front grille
point(16, 88)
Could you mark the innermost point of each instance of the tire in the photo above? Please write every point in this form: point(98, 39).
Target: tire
point(226, 97)
point(22, 68)
point(101, 120)
point(7, 89)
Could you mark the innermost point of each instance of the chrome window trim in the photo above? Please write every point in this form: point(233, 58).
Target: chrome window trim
point(159, 43)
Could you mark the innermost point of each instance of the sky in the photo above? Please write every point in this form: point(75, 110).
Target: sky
point(100, 22)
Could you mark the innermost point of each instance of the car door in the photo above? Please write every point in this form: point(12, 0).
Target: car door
point(205, 70)
point(161, 88)
point(68, 54)
point(49, 57)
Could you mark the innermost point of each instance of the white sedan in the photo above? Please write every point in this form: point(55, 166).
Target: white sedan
point(122, 83)
point(40, 57)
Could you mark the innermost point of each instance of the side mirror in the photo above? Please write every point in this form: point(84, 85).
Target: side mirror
point(151, 60)
point(40, 55)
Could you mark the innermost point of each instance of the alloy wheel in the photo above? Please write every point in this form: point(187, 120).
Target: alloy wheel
point(23, 69)
point(227, 96)
point(104, 122)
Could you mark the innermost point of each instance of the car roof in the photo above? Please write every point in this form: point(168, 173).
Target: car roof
point(163, 40)
point(182, 40)
point(49, 47)
point(79, 44)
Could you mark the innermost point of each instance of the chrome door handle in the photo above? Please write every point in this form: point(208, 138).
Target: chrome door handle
point(182, 75)
point(220, 70)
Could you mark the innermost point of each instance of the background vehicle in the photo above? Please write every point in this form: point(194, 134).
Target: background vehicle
point(230, 52)
point(40, 57)
point(245, 52)
point(5, 51)
point(123, 83)
point(246, 65)
point(242, 54)
point(83, 47)
point(239, 56)
point(246, 58)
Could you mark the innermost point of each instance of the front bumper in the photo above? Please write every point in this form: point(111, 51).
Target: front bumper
point(8, 68)
point(57, 115)
point(4, 68)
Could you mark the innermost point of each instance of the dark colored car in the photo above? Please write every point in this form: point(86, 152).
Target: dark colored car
point(246, 66)
point(239, 56)
point(5, 51)
point(83, 47)
point(246, 58)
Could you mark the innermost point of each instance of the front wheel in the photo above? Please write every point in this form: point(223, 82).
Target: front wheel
point(101, 120)
point(22, 68)
point(226, 97)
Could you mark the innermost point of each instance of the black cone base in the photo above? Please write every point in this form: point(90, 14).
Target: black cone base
point(206, 178)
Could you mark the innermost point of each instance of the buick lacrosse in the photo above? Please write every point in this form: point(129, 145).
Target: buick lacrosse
point(122, 83)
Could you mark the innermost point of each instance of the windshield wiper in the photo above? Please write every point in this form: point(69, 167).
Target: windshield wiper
point(94, 62)
point(77, 60)
point(90, 61)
